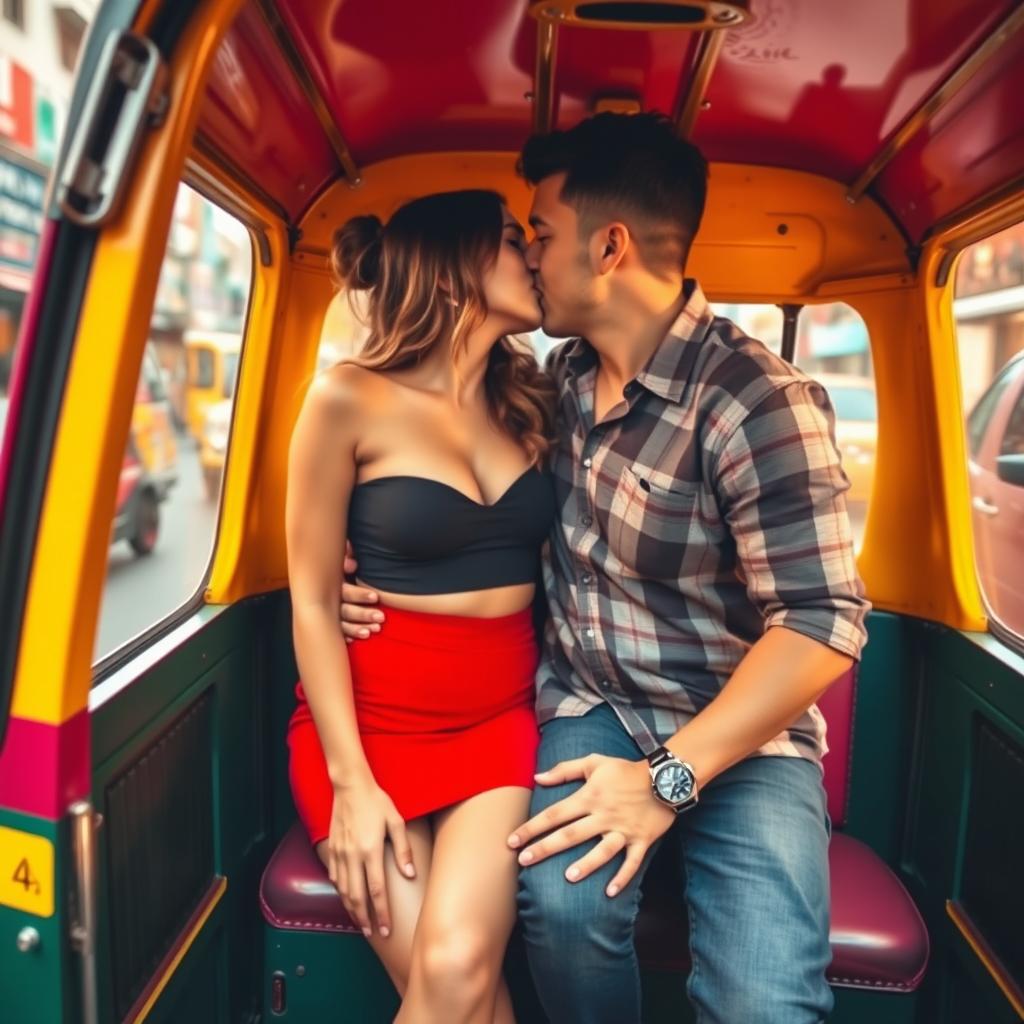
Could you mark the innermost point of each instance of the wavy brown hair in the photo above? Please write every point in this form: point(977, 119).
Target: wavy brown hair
point(451, 237)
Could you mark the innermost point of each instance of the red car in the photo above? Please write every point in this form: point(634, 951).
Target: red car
point(995, 440)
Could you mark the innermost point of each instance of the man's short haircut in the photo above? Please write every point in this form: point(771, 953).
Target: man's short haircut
point(629, 167)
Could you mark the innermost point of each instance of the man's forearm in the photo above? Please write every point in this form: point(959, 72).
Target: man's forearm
point(780, 677)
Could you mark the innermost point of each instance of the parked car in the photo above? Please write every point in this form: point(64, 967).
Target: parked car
point(995, 442)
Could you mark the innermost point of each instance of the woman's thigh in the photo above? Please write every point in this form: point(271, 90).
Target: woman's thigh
point(470, 896)
point(405, 897)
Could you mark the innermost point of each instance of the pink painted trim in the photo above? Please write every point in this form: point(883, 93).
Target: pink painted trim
point(24, 348)
point(45, 768)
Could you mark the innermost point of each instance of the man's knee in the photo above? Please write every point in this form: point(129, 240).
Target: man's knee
point(571, 918)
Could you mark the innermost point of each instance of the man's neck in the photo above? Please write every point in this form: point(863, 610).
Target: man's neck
point(627, 336)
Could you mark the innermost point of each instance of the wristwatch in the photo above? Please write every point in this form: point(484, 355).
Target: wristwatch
point(672, 780)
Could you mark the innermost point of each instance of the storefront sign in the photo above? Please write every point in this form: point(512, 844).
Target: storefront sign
point(17, 105)
point(22, 194)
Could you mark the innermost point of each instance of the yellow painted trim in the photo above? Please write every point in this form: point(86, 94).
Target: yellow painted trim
point(998, 973)
point(236, 545)
point(185, 946)
point(62, 608)
point(916, 558)
point(240, 544)
point(740, 248)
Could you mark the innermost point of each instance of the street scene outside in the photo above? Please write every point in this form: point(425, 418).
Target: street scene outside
point(168, 492)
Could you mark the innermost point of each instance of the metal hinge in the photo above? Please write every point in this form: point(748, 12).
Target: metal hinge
point(127, 97)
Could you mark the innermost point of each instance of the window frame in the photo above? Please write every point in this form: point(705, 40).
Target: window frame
point(112, 662)
point(1004, 377)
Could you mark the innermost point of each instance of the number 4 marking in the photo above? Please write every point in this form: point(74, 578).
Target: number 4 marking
point(26, 872)
point(23, 876)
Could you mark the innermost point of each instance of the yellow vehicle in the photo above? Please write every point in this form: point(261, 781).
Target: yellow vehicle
point(151, 868)
point(152, 424)
point(213, 445)
point(211, 360)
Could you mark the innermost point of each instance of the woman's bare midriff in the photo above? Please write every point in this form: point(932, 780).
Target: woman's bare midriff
point(481, 604)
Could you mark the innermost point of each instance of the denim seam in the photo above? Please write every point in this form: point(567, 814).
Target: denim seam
point(694, 960)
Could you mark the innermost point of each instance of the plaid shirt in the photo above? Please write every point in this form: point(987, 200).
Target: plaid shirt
point(707, 506)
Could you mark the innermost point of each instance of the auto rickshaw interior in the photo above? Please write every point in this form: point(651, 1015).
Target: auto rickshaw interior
point(865, 199)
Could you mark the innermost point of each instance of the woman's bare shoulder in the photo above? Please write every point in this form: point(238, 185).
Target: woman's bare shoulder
point(344, 387)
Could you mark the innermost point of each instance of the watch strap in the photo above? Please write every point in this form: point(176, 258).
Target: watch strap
point(659, 756)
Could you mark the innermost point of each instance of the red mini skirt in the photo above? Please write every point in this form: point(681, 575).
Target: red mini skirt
point(445, 709)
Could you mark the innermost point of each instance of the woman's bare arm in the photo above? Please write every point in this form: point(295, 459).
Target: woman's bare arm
point(321, 475)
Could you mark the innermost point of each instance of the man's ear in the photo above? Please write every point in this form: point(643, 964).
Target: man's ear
point(608, 246)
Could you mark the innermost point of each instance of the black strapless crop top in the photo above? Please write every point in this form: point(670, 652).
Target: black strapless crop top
point(413, 535)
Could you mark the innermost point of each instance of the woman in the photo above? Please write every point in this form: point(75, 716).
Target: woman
point(412, 758)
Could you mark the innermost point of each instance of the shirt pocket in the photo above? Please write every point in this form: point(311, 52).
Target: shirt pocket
point(654, 531)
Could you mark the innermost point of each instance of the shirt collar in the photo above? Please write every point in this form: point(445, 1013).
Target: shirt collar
point(668, 368)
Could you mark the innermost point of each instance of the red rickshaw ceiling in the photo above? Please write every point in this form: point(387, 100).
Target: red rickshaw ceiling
point(815, 85)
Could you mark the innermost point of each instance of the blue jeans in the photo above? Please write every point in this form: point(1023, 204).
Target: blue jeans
point(755, 856)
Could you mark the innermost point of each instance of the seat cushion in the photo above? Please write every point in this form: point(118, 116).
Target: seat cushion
point(878, 938)
point(295, 891)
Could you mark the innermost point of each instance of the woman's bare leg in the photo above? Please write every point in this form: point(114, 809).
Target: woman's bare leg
point(405, 896)
point(467, 915)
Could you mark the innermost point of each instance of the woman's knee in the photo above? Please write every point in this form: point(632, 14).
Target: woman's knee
point(456, 960)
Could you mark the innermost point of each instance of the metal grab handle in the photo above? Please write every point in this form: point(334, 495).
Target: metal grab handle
point(84, 823)
point(984, 506)
point(126, 96)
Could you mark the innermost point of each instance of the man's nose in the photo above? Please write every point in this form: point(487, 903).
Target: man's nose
point(533, 255)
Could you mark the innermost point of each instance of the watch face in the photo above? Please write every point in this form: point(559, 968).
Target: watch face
point(674, 783)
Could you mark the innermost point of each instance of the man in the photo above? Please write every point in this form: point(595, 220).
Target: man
point(702, 595)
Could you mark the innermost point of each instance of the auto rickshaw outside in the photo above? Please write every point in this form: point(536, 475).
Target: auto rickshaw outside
point(211, 367)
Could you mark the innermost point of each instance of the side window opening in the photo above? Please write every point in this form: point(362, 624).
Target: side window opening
point(988, 307)
point(168, 493)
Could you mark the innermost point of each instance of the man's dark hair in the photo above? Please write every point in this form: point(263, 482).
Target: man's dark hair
point(629, 166)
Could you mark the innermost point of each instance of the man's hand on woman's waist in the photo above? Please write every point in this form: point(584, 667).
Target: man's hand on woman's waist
point(360, 619)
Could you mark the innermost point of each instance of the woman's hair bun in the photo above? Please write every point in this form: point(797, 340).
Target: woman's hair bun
point(355, 252)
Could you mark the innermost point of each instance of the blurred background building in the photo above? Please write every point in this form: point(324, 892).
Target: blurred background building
point(205, 279)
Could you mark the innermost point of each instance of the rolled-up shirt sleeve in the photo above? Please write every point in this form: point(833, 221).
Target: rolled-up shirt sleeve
point(782, 490)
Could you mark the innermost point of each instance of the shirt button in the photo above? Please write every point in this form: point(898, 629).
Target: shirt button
point(587, 520)
point(587, 462)
point(588, 578)
point(590, 634)
point(605, 685)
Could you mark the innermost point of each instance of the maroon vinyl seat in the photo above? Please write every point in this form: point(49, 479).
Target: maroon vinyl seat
point(878, 938)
